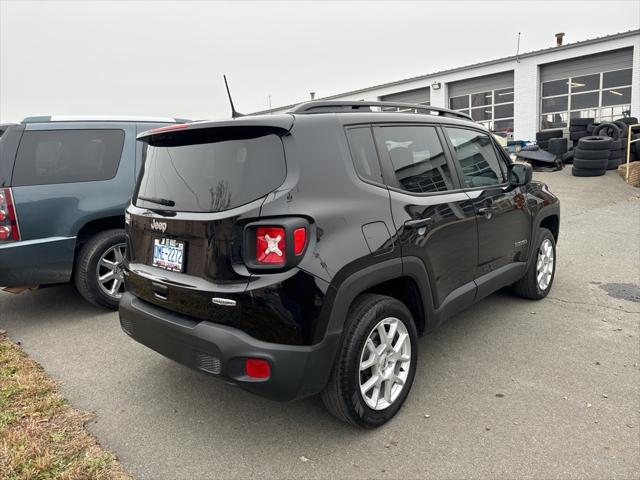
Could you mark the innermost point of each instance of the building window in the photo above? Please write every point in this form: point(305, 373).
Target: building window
point(493, 108)
point(604, 96)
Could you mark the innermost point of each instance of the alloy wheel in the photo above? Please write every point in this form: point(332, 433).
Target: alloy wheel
point(545, 264)
point(384, 363)
point(110, 271)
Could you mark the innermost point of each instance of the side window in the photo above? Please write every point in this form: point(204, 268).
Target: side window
point(67, 156)
point(417, 157)
point(476, 154)
point(364, 154)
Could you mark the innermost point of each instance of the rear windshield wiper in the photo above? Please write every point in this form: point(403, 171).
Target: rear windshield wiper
point(159, 201)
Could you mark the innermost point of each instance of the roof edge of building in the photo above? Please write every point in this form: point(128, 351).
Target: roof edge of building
point(533, 53)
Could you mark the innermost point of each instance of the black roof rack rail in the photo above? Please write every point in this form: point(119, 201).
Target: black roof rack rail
point(339, 106)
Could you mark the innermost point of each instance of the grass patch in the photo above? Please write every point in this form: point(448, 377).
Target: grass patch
point(41, 436)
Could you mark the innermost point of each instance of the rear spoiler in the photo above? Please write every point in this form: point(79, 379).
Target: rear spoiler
point(216, 131)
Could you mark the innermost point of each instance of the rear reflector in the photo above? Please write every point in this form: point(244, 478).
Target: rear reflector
point(270, 245)
point(257, 368)
point(299, 239)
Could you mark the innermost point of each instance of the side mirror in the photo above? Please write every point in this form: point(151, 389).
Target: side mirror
point(520, 174)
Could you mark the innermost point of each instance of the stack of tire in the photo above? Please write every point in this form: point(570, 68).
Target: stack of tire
point(617, 132)
point(579, 128)
point(542, 138)
point(591, 156)
point(623, 124)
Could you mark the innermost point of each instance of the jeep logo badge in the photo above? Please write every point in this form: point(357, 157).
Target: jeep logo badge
point(160, 226)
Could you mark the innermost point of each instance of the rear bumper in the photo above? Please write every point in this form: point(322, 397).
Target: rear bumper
point(37, 262)
point(220, 350)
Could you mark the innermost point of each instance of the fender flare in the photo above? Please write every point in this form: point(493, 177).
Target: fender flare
point(358, 282)
point(546, 212)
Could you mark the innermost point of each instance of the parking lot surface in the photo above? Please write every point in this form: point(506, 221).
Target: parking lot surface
point(509, 388)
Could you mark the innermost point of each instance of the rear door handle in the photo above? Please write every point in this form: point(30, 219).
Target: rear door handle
point(419, 222)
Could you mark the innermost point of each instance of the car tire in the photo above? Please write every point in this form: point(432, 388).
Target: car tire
point(591, 154)
point(88, 268)
point(628, 120)
point(548, 134)
point(582, 172)
point(575, 136)
point(608, 129)
point(595, 142)
point(343, 396)
point(538, 280)
point(591, 127)
point(616, 144)
point(568, 157)
point(593, 164)
point(624, 129)
point(614, 163)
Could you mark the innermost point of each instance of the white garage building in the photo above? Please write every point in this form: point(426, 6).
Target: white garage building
point(533, 91)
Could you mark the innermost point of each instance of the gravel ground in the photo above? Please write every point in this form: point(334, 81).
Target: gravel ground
point(509, 388)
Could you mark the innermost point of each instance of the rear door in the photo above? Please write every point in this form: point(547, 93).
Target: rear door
point(195, 194)
point(504, 221)
point(434, 218)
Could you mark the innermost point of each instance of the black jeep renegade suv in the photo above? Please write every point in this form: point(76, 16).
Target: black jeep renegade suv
point(306, 252)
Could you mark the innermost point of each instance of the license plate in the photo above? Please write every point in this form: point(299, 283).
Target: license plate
point(168, 254)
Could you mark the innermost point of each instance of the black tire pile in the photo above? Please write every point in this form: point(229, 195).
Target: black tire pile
point(617, 151)
point(591, 157)
point(542, 138)
point(580, 128)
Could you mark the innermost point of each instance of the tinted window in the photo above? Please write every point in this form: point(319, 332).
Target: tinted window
point(364, 154)
point(617, 78)
point(556, 104)
point(503, 96)
point(584, 100)
point(504, 111)
point(483, 113)
point(212, 176)
point(480, 164)
point(616, 96)
point(67, 156)
point(557, 87)
point(503, 125)
point(456, 103)
point(478, 99)
point(586, 83)
point(417, 158)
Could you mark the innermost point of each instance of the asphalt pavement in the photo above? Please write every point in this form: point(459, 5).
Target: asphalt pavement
point(509, 388)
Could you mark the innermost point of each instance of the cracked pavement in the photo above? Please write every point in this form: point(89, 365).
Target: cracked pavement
point(509, 388)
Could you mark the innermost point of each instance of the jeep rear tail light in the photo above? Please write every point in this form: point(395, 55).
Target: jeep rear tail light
point(276, 244)
point(270, 245)
point(9, 230)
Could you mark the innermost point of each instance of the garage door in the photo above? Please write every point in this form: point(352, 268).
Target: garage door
point(488, 99)
point(419, 95)
point(594, 86)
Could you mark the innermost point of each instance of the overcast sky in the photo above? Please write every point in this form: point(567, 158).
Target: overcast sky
point(167, 58)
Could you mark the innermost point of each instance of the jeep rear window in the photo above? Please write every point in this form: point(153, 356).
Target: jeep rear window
point(212, 176)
